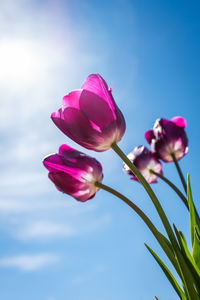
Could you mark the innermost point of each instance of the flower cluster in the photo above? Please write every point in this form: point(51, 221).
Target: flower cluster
point(90, 117)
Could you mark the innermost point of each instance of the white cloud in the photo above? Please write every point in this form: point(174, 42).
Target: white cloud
point(49, 219)
point(42, 229)
point(29, 262)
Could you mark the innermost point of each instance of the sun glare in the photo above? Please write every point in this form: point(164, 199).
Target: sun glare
point(20, 63)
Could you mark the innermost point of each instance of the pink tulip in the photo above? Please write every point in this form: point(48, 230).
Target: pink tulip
point(74, 172)
point(168, 137)
point(146, 162)
point(90, 116)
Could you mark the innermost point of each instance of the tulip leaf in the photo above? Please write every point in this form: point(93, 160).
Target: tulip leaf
point(168, 274)
point(193, 216)
point(169, 251)
point(196, 249)
point(197, 234)
point(193, 267)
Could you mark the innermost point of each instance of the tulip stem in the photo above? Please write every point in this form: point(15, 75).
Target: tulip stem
point(150, 192)
point(162, 240)
point(159, 237)
point(179, 172)
point(177, 191)
point(130, 203)
point(186, 272)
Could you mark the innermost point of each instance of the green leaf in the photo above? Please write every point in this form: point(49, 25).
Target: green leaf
point(196, 249)
point(193, 217)
point(197, 234)
point(189, 259)
point(194, 228)
point(169, 251)
point(168, 274)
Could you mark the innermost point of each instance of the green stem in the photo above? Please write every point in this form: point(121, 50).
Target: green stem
point(184, 183)
point(142, 215)
point(178, 192)
point(179, 172)
point(150, 192)
point(187, 277)
point(163, 241)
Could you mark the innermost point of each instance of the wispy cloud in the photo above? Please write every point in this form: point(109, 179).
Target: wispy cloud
point(29, 262)
point(42, 229)
point(49, 219)
point(38, 73)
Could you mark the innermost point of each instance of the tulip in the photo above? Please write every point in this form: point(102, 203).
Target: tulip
point(146, 162)
point(168, 138)
point(74, 173)
point(90, 117)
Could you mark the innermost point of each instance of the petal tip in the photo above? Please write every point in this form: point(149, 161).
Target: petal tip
point(179, 121)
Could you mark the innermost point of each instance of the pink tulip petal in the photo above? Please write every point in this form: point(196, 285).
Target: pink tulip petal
point(65, 182)
point(149, 135)
point(179, 121)
point(83, 135)
point(71, 100)
point(67, 150)
point(97, 85)
point(121, 124)
point(79, 127)
point(73, 157)
point(58, 119)
point(96, 109)
point(51, 161)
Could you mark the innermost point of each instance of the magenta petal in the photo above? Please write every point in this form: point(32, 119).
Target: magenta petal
point(179, 121)
point(79, 127)
point(65, 150)
point(97, 85)
point(65, 182)
point(149, 135)
point(58, 119)
point(121, 124)
point(52, 162)
point(72, 157)
point(71, 100)
point(96, 109)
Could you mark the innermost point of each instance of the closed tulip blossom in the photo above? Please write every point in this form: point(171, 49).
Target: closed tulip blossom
point(168, 138)
point(146, 162)
point(90, 116)
point(74, 173)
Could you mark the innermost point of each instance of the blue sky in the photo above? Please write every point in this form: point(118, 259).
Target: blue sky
point(52, 247)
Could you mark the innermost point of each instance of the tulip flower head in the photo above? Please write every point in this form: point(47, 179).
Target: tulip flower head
point(90, 117)
point(74, 173)
point(168, 138)
point(146, 162)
